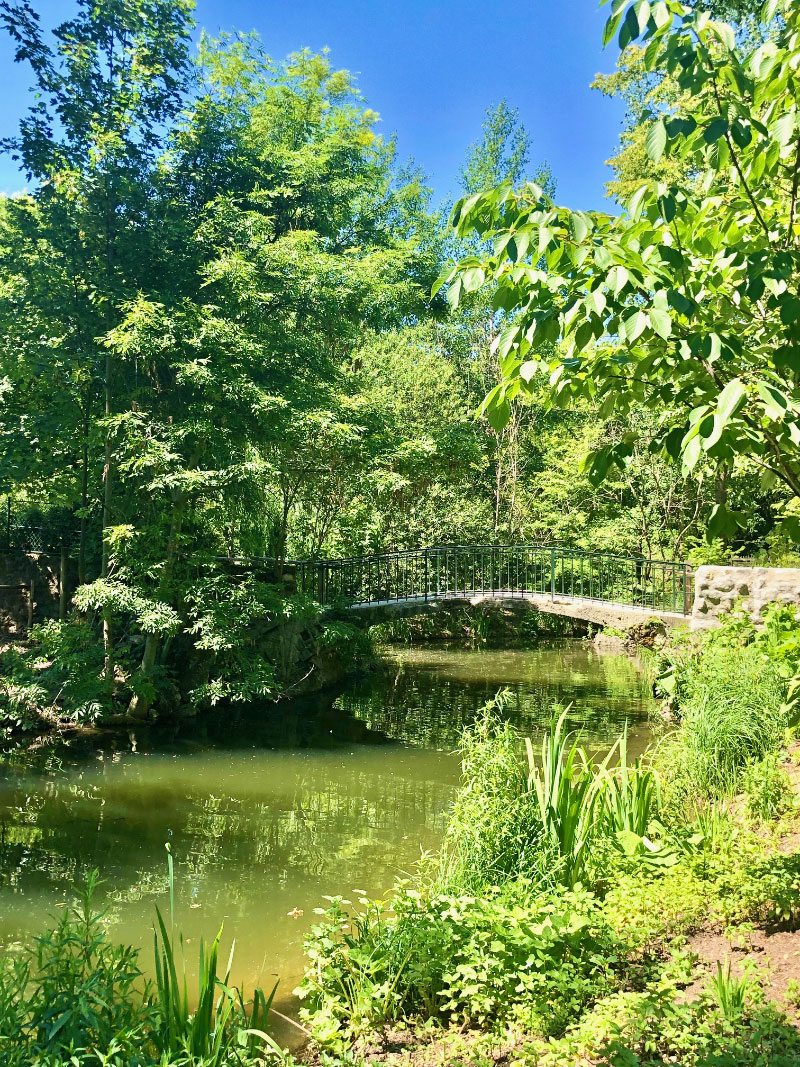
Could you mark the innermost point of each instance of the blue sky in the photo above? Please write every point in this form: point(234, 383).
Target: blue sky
point(431, 70)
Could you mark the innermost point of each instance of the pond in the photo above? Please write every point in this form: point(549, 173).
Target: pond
point(269, 811)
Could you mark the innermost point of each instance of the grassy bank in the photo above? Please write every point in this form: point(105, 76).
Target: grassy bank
point(583, 910)
point(586, 911)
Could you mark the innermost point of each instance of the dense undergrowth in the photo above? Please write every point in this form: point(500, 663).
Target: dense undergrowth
point(556, 918)
point(235, 641)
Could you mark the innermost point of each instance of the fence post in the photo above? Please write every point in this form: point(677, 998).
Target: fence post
point(62, 583)
point(552, 574)
point(425, 557)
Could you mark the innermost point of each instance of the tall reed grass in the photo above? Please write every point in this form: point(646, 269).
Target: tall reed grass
point(207, 1029)
point(732, 715)
point(568, 795)
point(631, 794)
point(540, 822)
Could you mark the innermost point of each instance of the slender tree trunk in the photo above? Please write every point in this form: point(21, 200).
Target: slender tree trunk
point(108, 637)
point(498, 480)
point(512, 478)
point(84, 497)
point(63, 577)
point(721, 493)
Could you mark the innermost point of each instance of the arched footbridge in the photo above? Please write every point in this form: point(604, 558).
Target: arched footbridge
point(600, 587)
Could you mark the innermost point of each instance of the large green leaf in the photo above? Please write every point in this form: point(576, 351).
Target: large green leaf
point(656, 140)
point(661, 322)
point(730, 400)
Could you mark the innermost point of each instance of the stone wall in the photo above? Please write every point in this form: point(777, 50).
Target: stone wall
point(717, 590)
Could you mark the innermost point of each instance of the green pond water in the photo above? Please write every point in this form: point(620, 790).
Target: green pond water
point(270, 810)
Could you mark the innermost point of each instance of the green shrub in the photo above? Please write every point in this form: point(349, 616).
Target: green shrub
point(73, 995)
point(495, 832)
point(506, 956)
point(648, 911)
point(767, 788)
point(761, 888)
point(537, 965)
point(62, 669)
point(725, 882)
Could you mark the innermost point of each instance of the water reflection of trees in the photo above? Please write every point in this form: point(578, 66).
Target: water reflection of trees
point(324, 827)
point(426, 706)
point(275, 800)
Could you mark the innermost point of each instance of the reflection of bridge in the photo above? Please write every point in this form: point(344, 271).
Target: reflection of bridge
point(596, 586)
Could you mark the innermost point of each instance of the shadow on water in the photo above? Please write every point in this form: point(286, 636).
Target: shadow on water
point(269, 808)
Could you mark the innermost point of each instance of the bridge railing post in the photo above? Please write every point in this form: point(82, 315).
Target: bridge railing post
point(425, 558)
point(552, 574)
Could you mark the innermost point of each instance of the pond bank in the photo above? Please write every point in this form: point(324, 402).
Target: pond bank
point(758, 957)
point(595, 911)
point(269, 808)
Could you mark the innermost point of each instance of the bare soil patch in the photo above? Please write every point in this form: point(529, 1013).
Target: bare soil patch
point(772, 957)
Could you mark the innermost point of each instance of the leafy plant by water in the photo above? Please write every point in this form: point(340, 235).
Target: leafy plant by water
point(73, 992)
point(506, 954)
point(630, 795)
point(568, 791)
point(75, 999)
point(207, 1032)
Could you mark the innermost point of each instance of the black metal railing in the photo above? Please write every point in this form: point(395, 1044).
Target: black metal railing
point(513, 571)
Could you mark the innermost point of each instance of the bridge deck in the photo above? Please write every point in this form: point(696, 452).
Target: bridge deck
point(600, 612)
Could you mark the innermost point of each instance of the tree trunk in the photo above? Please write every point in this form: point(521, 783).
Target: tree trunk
point(63, 591)
point(721, 493)
point(108, 637)
point(84, 498)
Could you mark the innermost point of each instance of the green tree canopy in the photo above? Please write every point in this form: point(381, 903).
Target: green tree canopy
point(688, 303)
